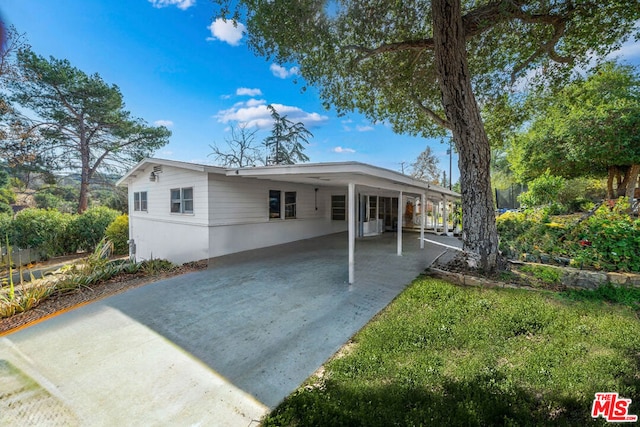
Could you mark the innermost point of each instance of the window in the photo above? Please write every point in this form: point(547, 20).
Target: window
point(338, 208)
point(182, 200)
point(290, 204)
point(140, 201)
point(274, 203)
point(373, 207)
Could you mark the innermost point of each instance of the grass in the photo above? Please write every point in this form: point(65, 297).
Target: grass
point(447, 355)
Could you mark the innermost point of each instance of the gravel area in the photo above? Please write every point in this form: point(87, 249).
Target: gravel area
point(81, 296)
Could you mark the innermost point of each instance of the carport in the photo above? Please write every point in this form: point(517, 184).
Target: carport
point(216, 347)
point(359, 179)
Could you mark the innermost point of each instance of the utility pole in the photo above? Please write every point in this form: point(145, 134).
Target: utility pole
point(450, 153)
point(402, 166)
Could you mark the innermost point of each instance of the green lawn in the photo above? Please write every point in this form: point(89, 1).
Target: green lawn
point(447, 355)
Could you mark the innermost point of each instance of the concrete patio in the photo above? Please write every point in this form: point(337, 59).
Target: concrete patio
point(216, 347)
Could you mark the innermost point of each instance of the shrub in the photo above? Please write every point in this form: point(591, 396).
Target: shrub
point(62, 198)
point(607, 240)
point(6, 228)
point(7, 196)
point(613, 239)
point(118, 233)
point(43, 229)
point(88, 228)
point(542, 191)
point(47, 200)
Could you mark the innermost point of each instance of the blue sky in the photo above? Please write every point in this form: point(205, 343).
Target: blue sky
point(176, 67)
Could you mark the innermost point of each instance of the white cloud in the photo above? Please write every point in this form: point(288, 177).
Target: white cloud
point(226, 31)
point(249, 92)
point(629, 50)
point(282, 72)
point(254, 113)
point(165, 123)
point(364, 128)
point(181, 4)
point(343, 150)
point(255, 102)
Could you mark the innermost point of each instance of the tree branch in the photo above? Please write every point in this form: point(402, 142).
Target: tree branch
point(548, 48)
point(480, 20)
point(431, 114)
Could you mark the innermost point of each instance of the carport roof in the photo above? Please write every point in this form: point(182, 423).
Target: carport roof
point(319, 174)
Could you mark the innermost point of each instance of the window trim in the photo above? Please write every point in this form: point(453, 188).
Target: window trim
point(181, 201)
point(278, 198)
point(289, 207)
point(140, 203)
point(275, 213)
point(336, 209)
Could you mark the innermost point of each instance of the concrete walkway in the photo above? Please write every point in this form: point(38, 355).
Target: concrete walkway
point(216, 347)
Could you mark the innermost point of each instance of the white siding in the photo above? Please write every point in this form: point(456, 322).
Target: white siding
point(228, 239)
point(159, 195)
point(158, 233)
point(235, 200)
point(240, 214)
point(231, 214)
point(178, 243)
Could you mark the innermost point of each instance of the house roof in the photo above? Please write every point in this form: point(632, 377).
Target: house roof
point(151, 161)
point(319, 174)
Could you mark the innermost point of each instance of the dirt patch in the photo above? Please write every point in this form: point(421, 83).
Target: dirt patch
point(78, 297)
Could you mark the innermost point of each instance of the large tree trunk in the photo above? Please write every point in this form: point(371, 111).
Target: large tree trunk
point(479, 233)
point(85, 175)
point(611, 175)
point(632, 180)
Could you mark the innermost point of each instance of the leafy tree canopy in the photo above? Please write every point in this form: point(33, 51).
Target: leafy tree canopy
point(424, 66)
point(588, 128)
point(69, 120)
point(378, 56)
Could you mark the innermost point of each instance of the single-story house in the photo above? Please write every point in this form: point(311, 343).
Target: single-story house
point(187, 212)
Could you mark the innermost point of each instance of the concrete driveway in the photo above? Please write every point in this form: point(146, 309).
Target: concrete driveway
point(217, 347)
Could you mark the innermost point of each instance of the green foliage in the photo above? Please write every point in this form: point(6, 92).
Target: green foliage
point(584, 128)
point(62, 198)
point(7, 196)
point(285, 141)
point(607, 240)
point(117, 199)
point(47, 201)
point(614, 239)
point(24, 299)
point(42, 229)
point(548, 275)
point(155, 266)
point(447, 355)
point(87, 229)
point(65, 118)
point(607, 293)
point(118, 233)
point(6, 226)
point(542, 191)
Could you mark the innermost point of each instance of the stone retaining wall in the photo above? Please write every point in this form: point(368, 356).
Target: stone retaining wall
point(572, 278)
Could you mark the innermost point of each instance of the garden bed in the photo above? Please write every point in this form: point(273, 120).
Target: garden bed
point(61, 302)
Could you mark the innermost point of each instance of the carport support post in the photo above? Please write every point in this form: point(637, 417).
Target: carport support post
point(445, 216)
point(400, 215)
point(352, 231)
point(423, 214)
